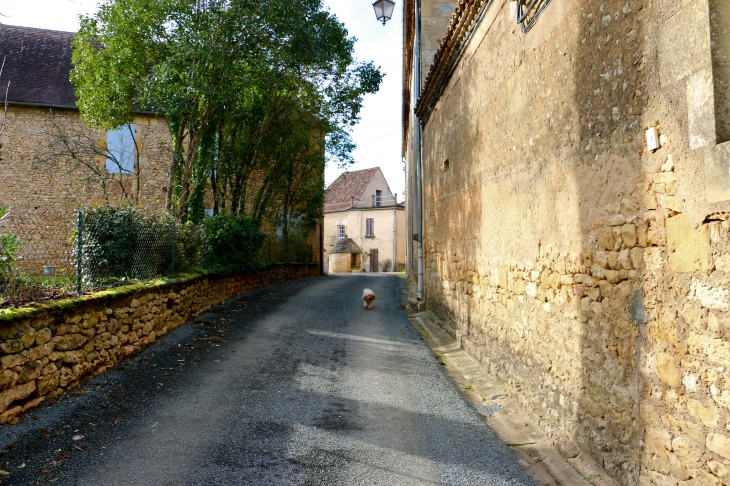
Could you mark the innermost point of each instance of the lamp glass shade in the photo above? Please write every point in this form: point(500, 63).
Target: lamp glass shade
point(384, 10)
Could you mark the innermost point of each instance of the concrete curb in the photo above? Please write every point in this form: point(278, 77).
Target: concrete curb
point(552, 461)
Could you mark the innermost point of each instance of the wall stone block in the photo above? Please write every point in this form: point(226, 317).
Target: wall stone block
point(74, 341)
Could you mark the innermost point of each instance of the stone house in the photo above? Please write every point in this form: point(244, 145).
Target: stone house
point(344, 256)
point(39, 178)
point(360, 205)
point(576, 214)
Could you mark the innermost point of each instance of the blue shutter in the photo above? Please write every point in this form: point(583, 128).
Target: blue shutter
point(120, 150)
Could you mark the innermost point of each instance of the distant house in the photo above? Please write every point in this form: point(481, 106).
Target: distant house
point(359, 205)
point(39, 178)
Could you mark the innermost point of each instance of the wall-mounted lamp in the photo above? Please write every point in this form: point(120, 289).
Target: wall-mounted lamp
point(384, 10)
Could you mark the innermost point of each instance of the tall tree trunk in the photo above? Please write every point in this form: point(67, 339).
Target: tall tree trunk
point(176, 154)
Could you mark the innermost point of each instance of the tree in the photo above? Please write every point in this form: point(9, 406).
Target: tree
point(232, 79)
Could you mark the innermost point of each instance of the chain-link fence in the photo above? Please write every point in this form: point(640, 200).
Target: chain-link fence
point(113, 248)
point(109, 247)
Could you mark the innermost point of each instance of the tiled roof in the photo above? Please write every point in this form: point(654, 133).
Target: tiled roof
point(464, 22)
point(348, 185)
point(345, 245)
point(37, 63)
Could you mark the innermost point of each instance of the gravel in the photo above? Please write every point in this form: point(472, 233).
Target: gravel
point(296, 383)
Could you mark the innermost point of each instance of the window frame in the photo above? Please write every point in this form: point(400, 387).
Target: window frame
point(341, 234)
point(369, 227)
point(378, 198)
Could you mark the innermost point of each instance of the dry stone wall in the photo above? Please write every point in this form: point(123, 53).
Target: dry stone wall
point(46, 351)
point(591, 274)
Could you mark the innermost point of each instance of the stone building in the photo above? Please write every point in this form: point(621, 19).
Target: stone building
point(360, 205)
point(345, 256)
point(576, 208)
point(52, 165)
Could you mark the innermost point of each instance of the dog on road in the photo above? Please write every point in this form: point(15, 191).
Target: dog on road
point(368, 296)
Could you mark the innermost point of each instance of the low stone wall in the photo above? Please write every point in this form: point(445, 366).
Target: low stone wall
point(46, 350)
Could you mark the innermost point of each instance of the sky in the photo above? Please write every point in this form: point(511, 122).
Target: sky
point(378, 136)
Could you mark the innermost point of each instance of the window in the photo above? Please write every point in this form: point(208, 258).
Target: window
point(370, 228)
point(446, 164)
point(341, 231)
point(378, 198)
point(120, 150)
point(289, 222)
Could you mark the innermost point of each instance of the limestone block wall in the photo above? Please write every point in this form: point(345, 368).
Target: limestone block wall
point(46, 189)
point(589, 273)
point(45, 351)
point(340, 263)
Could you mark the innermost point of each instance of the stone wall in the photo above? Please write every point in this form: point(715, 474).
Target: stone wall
point(45, 188)
point(589, 273)
point(45, 351)
point(340, 263)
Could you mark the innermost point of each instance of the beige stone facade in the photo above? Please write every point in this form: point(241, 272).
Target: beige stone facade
point(388, 235)
point(589, 273)
point(360, 205)
point(46, 191)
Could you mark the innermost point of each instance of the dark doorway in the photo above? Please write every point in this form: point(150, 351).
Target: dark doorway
point(373, 261)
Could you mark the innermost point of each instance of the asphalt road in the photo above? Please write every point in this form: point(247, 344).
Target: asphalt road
point(296, 383)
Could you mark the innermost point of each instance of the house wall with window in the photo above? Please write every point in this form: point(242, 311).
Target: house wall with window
point(588, 272)
point(46, 188)
point(355, 225)
point(51, 164)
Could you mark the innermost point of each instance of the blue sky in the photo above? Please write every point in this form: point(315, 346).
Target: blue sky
point(378, 135)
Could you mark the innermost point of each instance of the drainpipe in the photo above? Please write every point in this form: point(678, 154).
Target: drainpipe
point(419, 146)
point(395, 235)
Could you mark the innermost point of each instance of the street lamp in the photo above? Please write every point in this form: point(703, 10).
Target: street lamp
point(384, 10)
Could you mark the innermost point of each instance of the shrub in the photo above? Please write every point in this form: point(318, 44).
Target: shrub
point(9, 245)
point(234, 242)
point(127, 243)
point(191, 246)
point(385, 265)
point(112, 240)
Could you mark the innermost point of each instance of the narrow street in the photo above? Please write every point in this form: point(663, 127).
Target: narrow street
point(295, 383)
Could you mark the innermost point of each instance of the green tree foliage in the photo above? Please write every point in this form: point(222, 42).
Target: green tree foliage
point(234, 242)
point(259, 95)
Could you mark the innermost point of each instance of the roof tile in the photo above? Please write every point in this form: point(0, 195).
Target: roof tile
point(37, 64)
point(348, 185)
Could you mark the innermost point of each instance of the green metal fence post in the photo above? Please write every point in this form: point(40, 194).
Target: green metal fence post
point(78, 255)
point(174, 227)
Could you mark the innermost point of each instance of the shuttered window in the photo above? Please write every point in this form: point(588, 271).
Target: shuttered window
point(369, 228)
point(120, 150)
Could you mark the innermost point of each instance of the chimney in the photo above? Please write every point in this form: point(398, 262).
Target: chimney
point(352, 202)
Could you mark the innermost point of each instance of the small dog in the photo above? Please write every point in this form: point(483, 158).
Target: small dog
point(368, 296)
